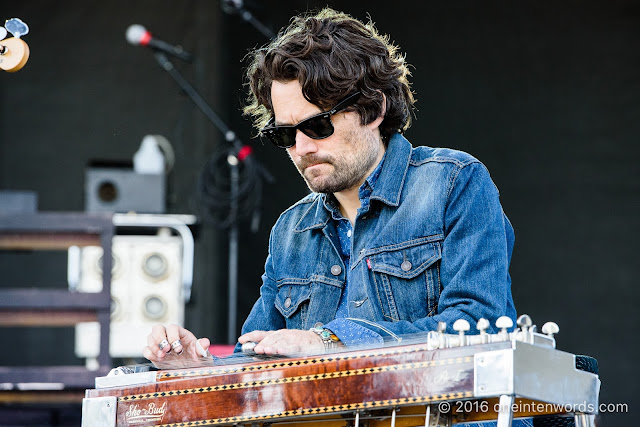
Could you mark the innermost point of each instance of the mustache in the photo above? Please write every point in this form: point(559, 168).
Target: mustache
point(312, 159)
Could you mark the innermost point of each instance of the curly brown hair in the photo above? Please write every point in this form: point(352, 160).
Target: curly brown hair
point(333, 55)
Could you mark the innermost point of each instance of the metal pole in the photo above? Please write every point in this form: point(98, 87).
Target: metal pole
point(233, 253)
point(505, 413)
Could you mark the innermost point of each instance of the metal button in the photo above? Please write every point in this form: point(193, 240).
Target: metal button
point(336, 269)
point(318, 325)
point(406, 266)
point(287, 303)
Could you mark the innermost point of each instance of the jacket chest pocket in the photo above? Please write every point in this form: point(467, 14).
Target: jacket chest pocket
point(292, 301)
point(407, 281)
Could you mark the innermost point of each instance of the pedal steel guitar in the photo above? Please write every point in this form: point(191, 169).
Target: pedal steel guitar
point(437, 379)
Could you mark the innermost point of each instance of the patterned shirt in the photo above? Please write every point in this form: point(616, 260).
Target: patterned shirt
point(345, 233)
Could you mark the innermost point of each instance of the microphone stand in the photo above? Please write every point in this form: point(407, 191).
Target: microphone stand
point(234, 161)
point(236, 6)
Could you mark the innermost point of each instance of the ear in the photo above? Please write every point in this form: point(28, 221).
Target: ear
point(383, 111)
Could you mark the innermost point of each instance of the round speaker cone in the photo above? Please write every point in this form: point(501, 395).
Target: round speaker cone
point(155, 265)
point(155, 307)
point(107, 192)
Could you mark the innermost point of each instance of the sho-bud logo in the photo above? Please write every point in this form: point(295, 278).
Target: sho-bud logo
point(138, 415)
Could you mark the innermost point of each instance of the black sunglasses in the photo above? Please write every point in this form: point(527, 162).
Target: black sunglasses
point(316, 127)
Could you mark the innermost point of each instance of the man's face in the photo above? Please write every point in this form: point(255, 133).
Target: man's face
point(334, 164)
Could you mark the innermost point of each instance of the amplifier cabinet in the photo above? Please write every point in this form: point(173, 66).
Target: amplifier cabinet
point(146, 289)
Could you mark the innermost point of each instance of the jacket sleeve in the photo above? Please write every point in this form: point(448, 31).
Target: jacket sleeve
point(264, 315)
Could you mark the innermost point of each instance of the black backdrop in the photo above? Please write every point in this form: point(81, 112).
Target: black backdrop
point(547, 95)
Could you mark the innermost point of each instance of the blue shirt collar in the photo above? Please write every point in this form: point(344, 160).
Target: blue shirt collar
point(364, 192)
point(386, 186)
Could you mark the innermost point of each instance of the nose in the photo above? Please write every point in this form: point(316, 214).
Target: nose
point(304, 144)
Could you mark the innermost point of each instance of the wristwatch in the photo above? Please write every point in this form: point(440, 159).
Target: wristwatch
point(329, 339)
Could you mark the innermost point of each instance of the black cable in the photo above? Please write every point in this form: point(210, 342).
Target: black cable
point(214, 188)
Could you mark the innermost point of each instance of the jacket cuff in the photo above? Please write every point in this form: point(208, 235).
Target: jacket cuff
point(351, 333)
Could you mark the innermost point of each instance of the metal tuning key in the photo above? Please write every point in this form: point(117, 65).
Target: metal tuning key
point(504, 323)
point(550, 328)
point(442, 337)
point(482, 326)
point(524, 322)
point(526, 333)
point(461, 326)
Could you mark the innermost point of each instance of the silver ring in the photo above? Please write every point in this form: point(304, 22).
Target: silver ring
point(176, 344)
point(163, 344)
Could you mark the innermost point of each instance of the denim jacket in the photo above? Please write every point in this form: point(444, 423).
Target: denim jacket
point(434, 246)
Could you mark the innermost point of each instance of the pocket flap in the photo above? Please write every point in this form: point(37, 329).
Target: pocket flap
point(406, 263)
point(290, 296)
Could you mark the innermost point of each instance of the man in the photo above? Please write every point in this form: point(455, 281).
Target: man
point(393, 239)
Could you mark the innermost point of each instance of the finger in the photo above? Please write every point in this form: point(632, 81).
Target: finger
point(153, 358)
point(157, 340)
point(290, 342)
point(175, 344)
point(255, 336)
point(274, 342)
point(186, 336)
point(205, 343)
point(268, 343)
point(150, 354)
point(181, 340)
point(153, 353)
point(202, 347)
point(280, 345)
point(189, 343)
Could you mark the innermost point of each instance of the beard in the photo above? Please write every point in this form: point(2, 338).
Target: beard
point(349, 168)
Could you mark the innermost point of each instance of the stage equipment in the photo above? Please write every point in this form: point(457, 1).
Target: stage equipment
point(116, 186)
point(115, 189)
point(431, 380)
point(151, 282)
point(138, 35)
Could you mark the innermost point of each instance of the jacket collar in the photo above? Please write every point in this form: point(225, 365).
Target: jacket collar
point(394, 171)
point(388, 187)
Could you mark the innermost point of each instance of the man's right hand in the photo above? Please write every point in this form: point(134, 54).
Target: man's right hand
point(166, 344)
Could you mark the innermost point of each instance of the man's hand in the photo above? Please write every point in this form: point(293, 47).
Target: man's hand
point(284, 341)
point(174, 342)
